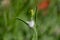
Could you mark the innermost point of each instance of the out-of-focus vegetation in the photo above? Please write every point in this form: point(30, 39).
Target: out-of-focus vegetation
point(47, 27)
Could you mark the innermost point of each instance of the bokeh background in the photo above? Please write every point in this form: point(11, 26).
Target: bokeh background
point(47, 25)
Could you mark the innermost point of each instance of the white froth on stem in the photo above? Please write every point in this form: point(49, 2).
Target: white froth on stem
point(31, 23)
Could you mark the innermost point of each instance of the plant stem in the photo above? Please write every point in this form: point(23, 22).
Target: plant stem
point(5, 18)
point(35, 36)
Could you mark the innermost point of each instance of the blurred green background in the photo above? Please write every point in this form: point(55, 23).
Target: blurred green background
point(47, 27)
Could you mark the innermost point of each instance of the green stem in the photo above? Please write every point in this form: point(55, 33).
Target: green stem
point(35, 35)
point(5, 18)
